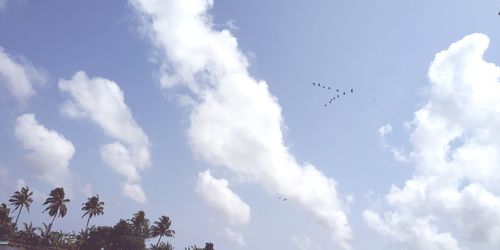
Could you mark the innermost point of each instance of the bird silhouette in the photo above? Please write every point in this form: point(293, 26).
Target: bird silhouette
point(337, 90)
point(319, 85)
point(352, 90)
point(338, 96)
point(328, 88)
point(314, 84)
point(344, 93)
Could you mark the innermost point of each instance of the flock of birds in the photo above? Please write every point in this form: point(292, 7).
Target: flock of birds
point(336, 92)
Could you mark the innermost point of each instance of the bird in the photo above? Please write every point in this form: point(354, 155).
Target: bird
point(323, 86)
point(328, 88)
point(344, 93)
point(285, 199)
point(337, 90)
point(325, 105)
point(319, 85)
point(352, 90)
point(314, 84)
point(338, 96)
point(334, 98)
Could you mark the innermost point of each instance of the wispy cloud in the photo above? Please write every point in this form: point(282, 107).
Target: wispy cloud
point(237, 122)
point(456, 149)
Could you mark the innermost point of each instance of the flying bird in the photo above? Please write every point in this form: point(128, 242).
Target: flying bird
point(352, 90)
point(314, 84)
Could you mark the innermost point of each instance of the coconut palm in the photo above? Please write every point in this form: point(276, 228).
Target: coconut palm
point(56, 204)
point(20, 200)
point(162, 228)
point(93, 207)
point(28, 235)
point(140, 225)
point(44, 233)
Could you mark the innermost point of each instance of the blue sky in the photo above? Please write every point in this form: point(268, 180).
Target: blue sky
point(205, 112)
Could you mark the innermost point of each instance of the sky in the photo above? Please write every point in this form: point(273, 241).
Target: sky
point(204, 111)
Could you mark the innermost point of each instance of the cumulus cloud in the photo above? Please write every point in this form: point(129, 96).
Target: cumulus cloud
point(102, 101)
point(237, 122)
point(49, 152)
point(217, 194)
point(18, 75)
point(452, 199)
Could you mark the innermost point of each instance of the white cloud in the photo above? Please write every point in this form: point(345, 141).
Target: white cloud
point(398, 153)
point(102, 101)
point(385, 130)
point(456, 149)
point(234, 236)
point(49, 152)
point(135, 192)
point(237, 122)
point(217, 194)
point(19, 76)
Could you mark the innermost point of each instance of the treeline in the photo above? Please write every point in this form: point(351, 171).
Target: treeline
point(126, 234)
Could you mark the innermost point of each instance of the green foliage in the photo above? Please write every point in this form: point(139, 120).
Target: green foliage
point(126, 234)
point(21, 199)
point(6, 228)
point(208, 246)
point(28, 235)
point(162, 246)
point(162, 228)
point(92, 207)
point(140, 225)
point(56, 204)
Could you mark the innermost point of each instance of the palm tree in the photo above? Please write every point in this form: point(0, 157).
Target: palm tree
point(20, 200)
point(28, 235)
point(44, 233)
point(209, 246)
point(56, 204)
point(140, 225)
point(162, 228)
point(92, 207)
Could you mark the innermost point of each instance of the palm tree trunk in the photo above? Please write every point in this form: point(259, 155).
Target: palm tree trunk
point(158, 241)
point(52, 222)
point(87, 226)
point(17, 218)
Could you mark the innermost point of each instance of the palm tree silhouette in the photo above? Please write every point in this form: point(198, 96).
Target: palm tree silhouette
point(28, 234)
point(56, 204)
point(162, 228)
point(20, 200)
point(93, 207)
